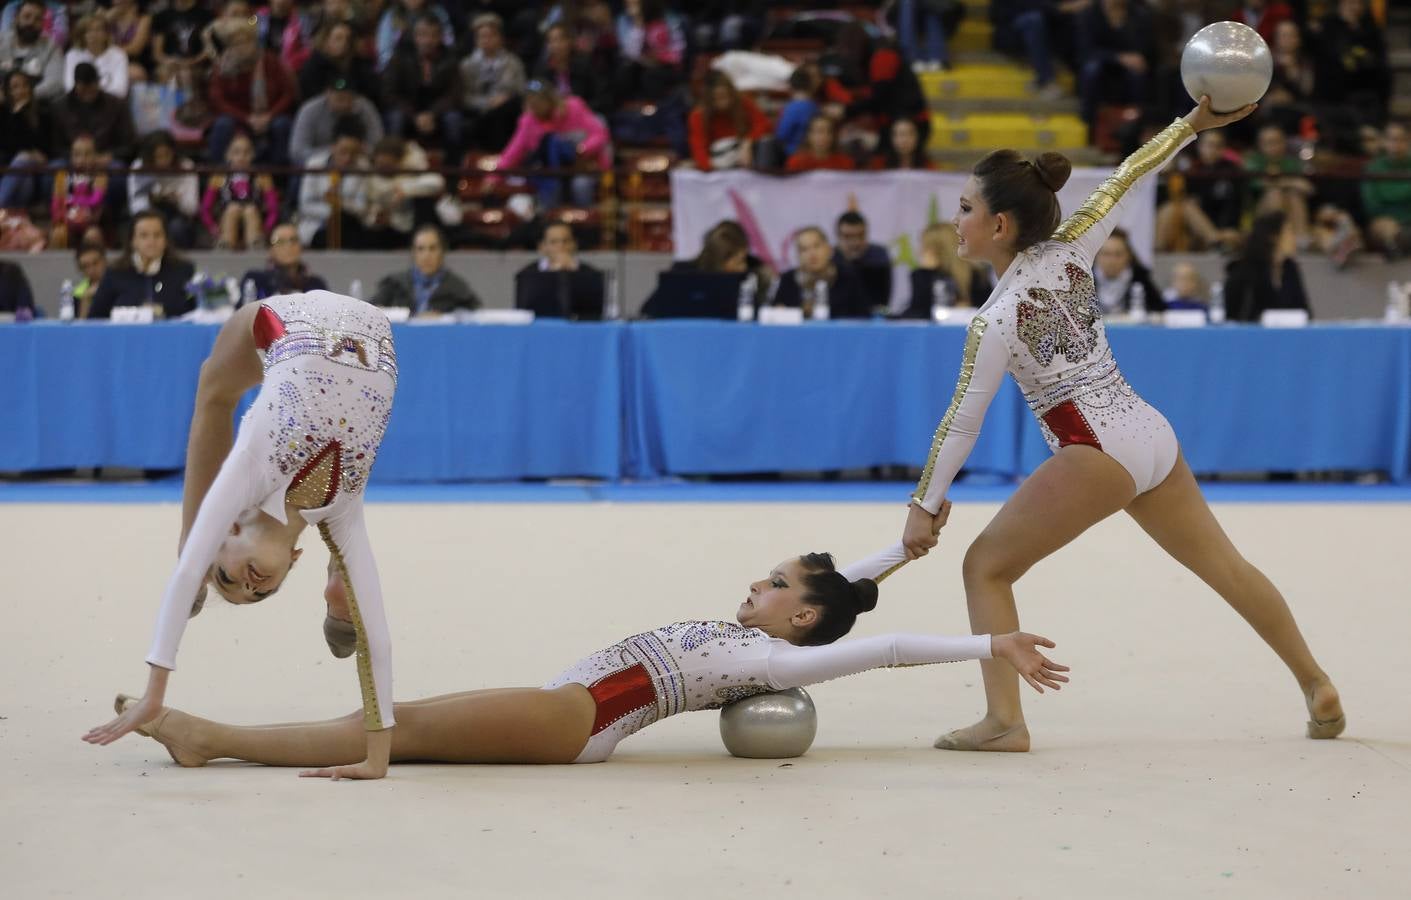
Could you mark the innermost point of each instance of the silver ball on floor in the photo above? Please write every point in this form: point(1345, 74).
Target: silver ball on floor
point(778, 725)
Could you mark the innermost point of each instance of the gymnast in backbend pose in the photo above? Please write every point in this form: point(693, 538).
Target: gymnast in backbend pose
point(787, 626)
point(1111, 450)
point(327, 372)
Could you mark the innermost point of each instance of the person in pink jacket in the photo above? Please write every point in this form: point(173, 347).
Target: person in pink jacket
point(557, 131)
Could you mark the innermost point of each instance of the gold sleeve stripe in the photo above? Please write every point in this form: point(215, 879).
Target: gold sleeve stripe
point(973, 336)
point(1148, 157)
point(879, 578)
point(372, 714)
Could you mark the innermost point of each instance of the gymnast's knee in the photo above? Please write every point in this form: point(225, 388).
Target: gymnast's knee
point(987, 562)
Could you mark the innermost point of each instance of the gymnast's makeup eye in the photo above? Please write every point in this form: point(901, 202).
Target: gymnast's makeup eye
point(223, 578)
point(779, 583)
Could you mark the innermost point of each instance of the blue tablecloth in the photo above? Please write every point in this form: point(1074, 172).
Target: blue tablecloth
point(481, 402)
point(649, 399)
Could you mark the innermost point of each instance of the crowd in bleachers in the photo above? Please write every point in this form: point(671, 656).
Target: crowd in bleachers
point(197, 117)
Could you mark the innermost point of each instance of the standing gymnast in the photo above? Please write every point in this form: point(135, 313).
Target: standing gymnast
point(787, 626)
point(327, 372)
point(1111, 450)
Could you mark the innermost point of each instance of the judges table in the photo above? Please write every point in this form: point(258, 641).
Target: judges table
point(661, 398)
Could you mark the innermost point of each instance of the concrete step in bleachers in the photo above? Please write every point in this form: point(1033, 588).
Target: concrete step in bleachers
point(983, 81)
point(996, 129)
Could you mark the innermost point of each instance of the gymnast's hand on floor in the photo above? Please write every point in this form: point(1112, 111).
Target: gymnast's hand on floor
point(364, 770)
point(922, 528)
point(144, 710)
point(1020, 650)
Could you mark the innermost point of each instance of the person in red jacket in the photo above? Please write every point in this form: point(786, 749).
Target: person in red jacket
point(251, 89)
point(724, 126)
point(820, 148)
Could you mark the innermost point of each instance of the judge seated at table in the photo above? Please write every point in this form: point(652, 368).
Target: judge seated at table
point(558, 285)
point(1266, 275)
point(428, 287)
point(147, 273)
point(870, 261)
point(818, 275)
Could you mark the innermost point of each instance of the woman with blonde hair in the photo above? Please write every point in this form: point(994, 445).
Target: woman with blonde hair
point(966, 284)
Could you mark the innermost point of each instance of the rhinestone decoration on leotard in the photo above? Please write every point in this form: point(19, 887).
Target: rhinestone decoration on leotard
point(1060, 322)
point(315, 410)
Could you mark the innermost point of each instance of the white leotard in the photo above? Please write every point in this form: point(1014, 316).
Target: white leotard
point(692, 666)
point(1043, 325)
point(310, 437)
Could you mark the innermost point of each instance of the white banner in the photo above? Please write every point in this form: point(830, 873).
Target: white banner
point(897, 205)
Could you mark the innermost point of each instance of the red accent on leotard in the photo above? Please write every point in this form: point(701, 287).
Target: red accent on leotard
point(268, 328)
point(621, 693)
point(1070, 426)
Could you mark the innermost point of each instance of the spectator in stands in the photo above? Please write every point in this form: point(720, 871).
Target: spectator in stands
point(965, 284)
point(428, 287)
point(335, 58)
point(935, 19)
point(558, 132)
point(1290, 94)
point(286, 272)
point(423, 91)
point(55, 23)
point(318, 118)
point(725, 250)
point(869, 262)
point(175, 196)
point(895, 94)
point(131, 31)
point(1209, 212)
point(558, 285)
point(79, 196)
point(179, 44)
point(240, 206)
point(25, 47)
point(398, 203)
point(727, 24)
point(1116, 46)
point(234, 16)
point(285, 33)
point(594, 34)
point(1354, 74)
point(26, 129)
point(1118, 275)
point(1388, 203)
point(820, 148)
point(147, 272)
point(817, 278)
point(573, 72)
point(801, 109)
point(652, 43)
point(93, 44)
point(396, 28)
point(1282, 187)
point(724, 126)
point(1187, 290)
point(88, 110)
point(1264, 16)
point(317, 192)
point(903, 150)
point(92, 266)
point(16, 298)
point(251, 89)
point(1266, 275)
point(1042, 31)
point(860, 80)
point(493, 81)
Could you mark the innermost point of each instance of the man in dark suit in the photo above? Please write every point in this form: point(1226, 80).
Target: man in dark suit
point(869, 262)
point(428, 286)
point(558, 285)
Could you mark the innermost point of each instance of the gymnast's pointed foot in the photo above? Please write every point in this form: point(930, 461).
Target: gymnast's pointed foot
point(987, 735)
point(182, 756)
point(1325, 716)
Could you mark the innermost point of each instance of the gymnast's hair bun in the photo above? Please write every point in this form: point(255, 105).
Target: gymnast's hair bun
point(864, 595)
point(1053, 169)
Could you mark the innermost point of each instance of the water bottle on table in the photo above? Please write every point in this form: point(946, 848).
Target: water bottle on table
point(1137, 310)
point(940, 299)
point(66, 311)
point(1217, 303)
point(821, 312)
point(745, 311)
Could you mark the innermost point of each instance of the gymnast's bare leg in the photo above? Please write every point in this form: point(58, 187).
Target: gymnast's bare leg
point(506, 725)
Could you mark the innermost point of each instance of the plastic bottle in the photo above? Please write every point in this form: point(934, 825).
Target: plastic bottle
point(248, 292)
point(745, 311)
point(821, 312)
point(940, 300)
point(1217, 303)
point(355, 289)
point(611, 308)
point(66, 310)
point(1396, 302)
point(1138, 308)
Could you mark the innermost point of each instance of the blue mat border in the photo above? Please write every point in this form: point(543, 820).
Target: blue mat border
point(169, 491)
